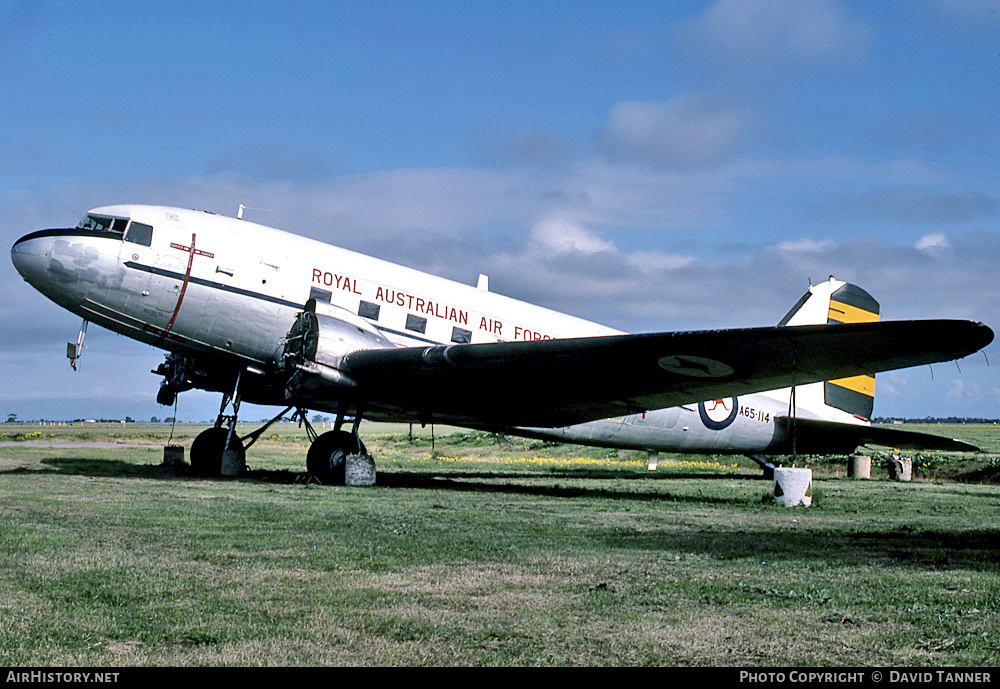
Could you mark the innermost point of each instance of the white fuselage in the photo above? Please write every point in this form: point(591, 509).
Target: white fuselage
point(211, 286)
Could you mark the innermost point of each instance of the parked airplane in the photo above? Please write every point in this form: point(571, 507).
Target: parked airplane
point(272, 318)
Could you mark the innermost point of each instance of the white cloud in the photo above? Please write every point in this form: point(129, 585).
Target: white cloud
point(769, 34)
point(935, 240)
point(890, 384)
point(656, 262)
point(806, 245)
point(961, 390)
point(688, 131)
point(564, 236)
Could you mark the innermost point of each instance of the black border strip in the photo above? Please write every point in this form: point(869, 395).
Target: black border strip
point(70, 232)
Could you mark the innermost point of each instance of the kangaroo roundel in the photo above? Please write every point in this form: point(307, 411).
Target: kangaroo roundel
point(718, 414)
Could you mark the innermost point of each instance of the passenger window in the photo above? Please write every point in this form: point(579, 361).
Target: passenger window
point(461, 336)
point(370, 310)
point(138, 233)
point(320, 295)
point(417, 324)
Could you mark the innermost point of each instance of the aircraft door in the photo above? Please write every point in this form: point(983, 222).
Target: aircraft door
point(164, 284)
point(163, 266)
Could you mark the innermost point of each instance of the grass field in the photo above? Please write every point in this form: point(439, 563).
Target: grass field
point(481, 550)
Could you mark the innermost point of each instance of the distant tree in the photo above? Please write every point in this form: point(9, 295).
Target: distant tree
point(11, 418)
point(154, 419)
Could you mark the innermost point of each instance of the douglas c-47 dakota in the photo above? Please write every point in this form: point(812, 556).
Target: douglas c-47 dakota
point(268, 317)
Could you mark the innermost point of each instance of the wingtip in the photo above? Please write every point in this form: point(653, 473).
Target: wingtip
point(971, 336)
point(988, 334)
point(982, 336)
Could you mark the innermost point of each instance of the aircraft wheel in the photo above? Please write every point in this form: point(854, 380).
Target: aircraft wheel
point(206, 451)
point(327, 455)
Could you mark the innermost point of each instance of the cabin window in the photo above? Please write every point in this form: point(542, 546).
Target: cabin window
point(461, 336)
point(320, 295)
point(368, 309)
point(417, 324)
point(139, 233)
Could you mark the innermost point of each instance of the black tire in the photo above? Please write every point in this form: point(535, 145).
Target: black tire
point(206, 451)
point(326, 457)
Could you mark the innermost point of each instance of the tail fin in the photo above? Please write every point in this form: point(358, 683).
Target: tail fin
point(837, 302)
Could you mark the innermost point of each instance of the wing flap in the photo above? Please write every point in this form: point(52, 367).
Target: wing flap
point(561, 382)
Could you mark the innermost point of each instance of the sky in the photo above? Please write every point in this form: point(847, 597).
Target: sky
point(651, 166)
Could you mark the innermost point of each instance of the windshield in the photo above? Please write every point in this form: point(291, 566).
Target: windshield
point(103, 223)
point(137, 232)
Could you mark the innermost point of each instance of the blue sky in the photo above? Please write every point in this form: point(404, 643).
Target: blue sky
point(648, 165)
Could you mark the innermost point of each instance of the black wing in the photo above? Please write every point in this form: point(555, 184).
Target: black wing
point(567, 381)
point(813, 436)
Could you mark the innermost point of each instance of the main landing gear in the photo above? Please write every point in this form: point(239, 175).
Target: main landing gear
point(327, 456)
point(220, 451)
point(329, 453)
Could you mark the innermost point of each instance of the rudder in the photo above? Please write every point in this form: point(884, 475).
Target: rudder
point(835, 301)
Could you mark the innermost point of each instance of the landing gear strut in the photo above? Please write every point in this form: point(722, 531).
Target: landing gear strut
point(219, 451)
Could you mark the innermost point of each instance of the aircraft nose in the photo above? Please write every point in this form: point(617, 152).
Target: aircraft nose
point(29, 255)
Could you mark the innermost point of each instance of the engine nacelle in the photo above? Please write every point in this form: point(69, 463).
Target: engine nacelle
point(317, 343)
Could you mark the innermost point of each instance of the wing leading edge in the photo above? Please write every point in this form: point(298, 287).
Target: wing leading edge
point(550, 383)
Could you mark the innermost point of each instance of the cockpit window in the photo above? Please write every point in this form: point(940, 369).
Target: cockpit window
point(97, 223)
point(139, 233)
point(135, 232)
point(103, 223)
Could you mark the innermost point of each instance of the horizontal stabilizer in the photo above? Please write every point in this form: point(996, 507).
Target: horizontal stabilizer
point(829, 437)
point(549, 383)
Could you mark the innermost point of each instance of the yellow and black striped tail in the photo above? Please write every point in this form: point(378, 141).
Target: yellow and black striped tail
point(854, 395)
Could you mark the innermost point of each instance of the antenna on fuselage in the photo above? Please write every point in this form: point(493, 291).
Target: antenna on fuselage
point(239, 213)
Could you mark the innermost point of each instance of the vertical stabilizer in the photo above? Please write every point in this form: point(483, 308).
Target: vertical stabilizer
point(835, 301)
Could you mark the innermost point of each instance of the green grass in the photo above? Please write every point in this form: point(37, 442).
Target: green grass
point(481, 551)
